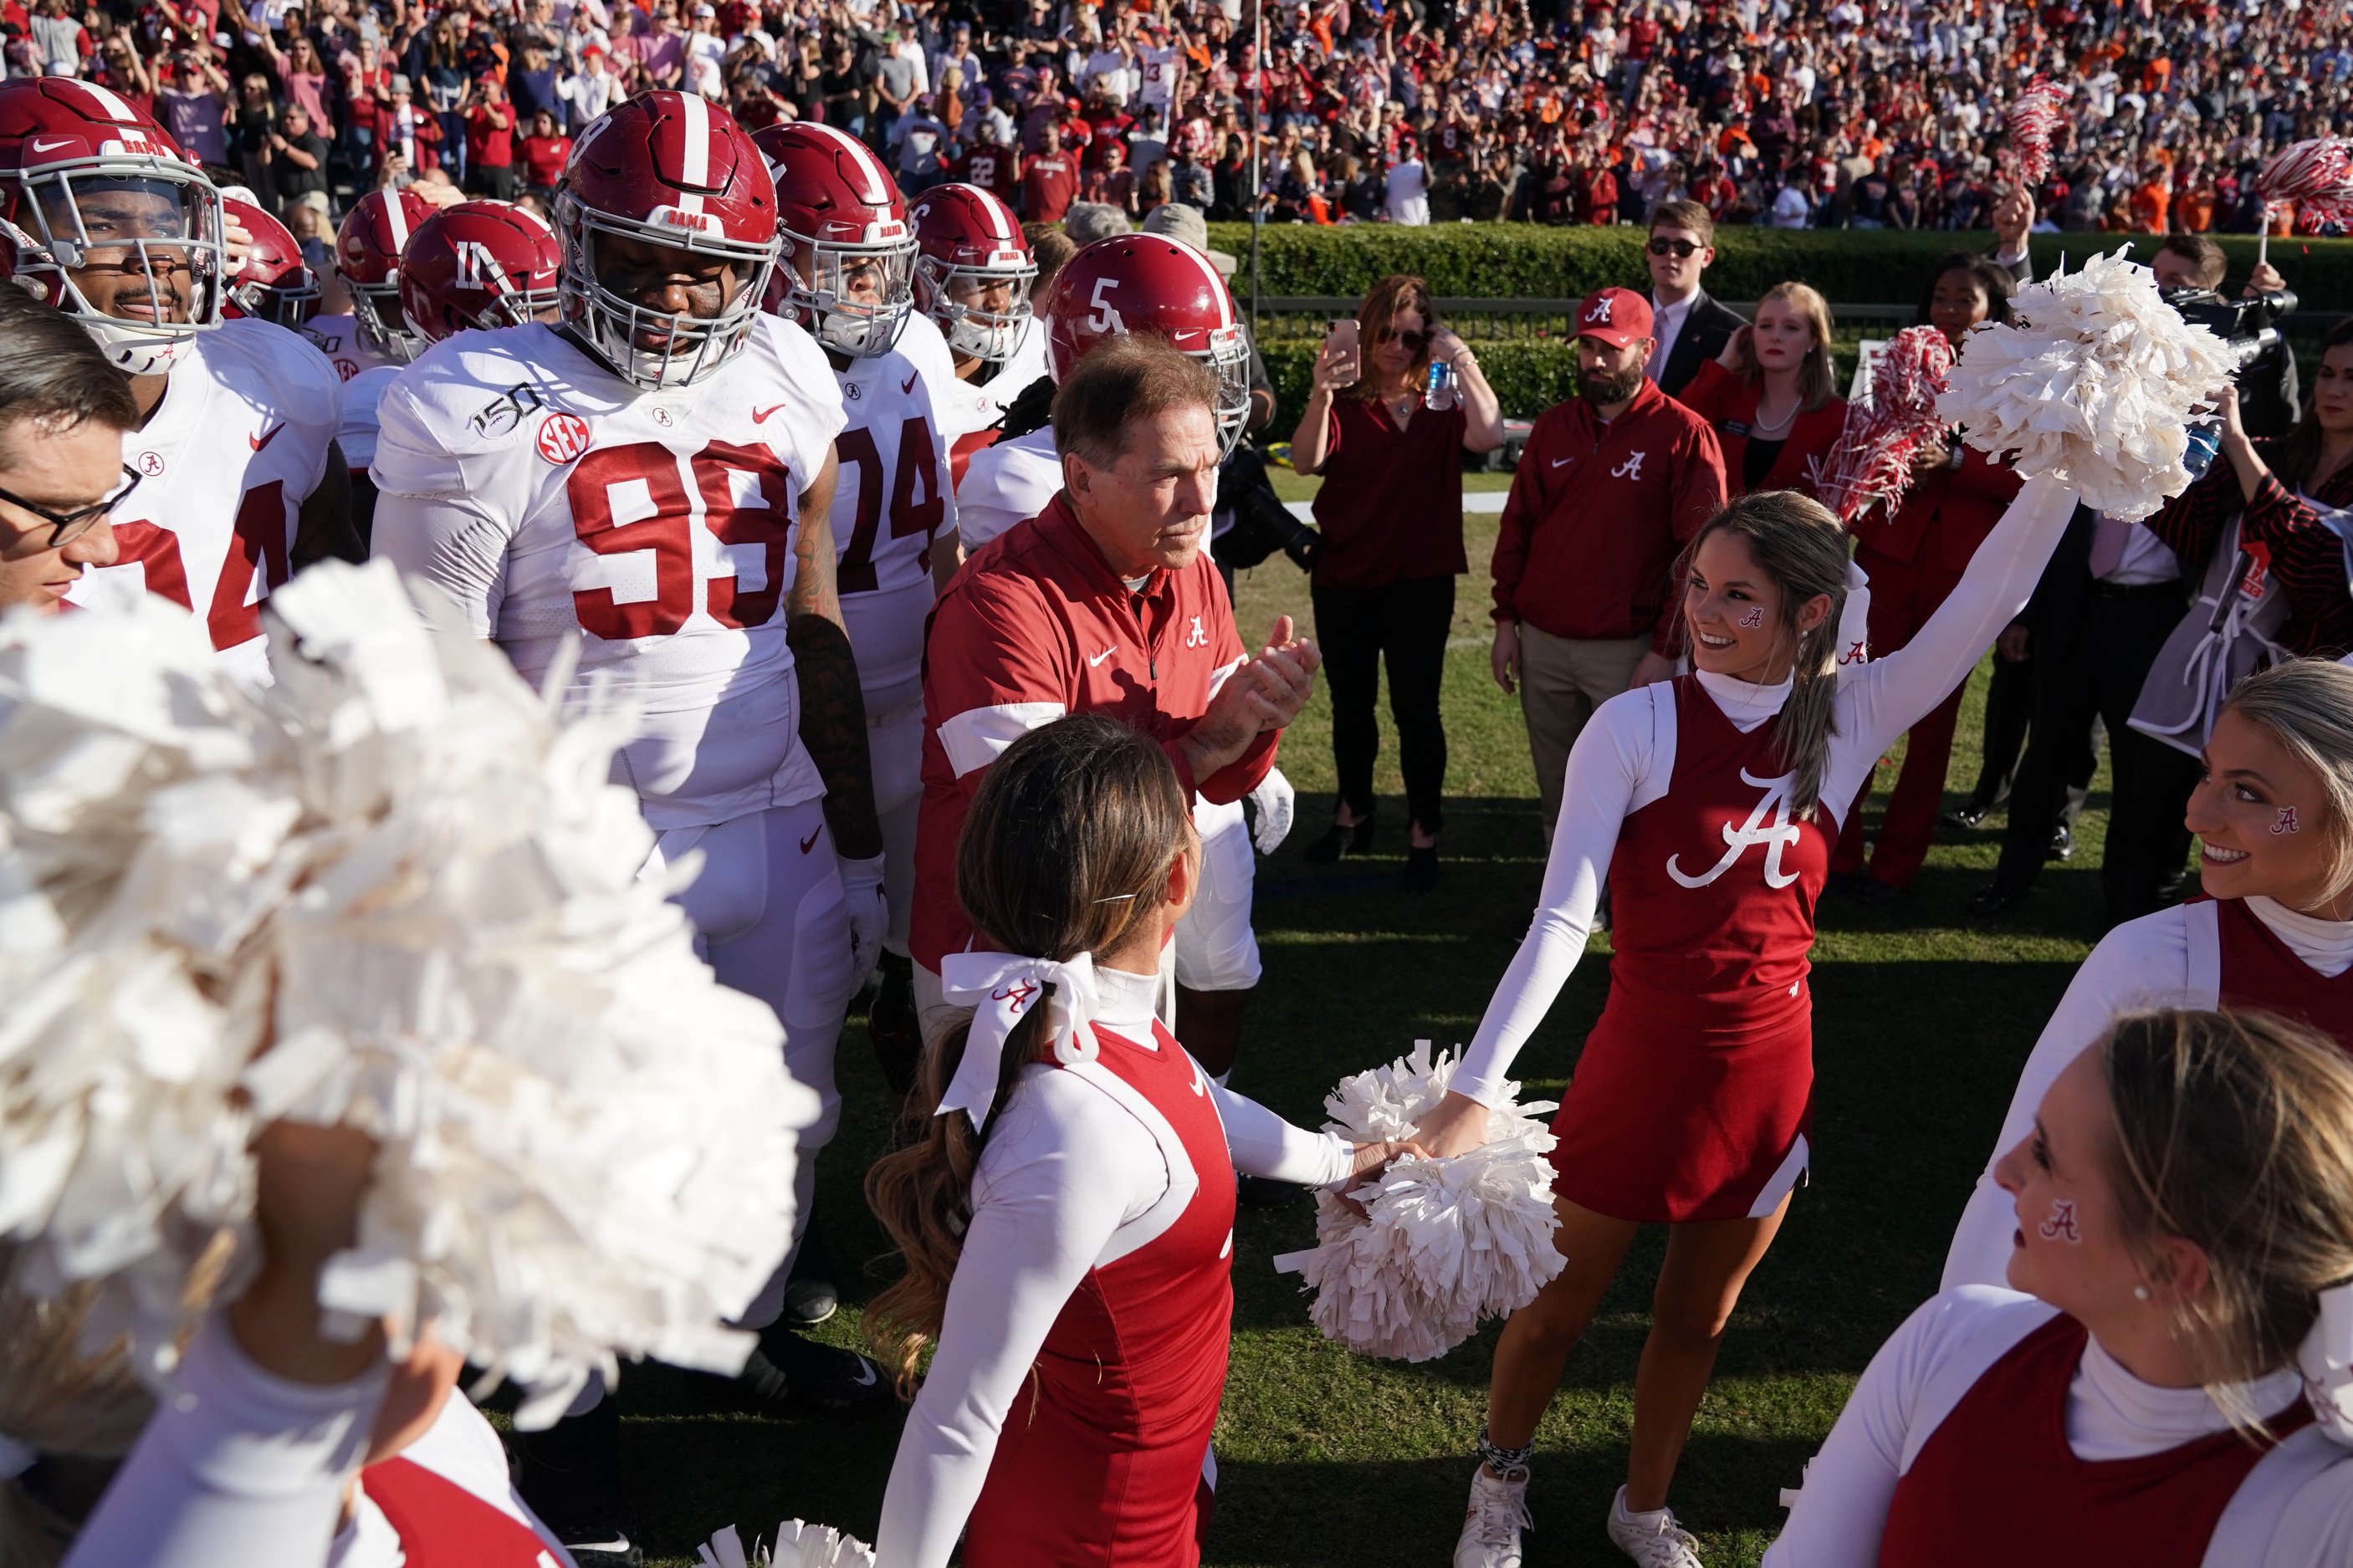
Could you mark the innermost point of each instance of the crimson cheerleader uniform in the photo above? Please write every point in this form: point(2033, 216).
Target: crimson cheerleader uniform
point(1691, 1101)
point(2218, 953)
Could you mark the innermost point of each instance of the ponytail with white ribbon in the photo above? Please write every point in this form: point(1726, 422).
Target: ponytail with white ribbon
point(2326, 1360)
point(1001, 988)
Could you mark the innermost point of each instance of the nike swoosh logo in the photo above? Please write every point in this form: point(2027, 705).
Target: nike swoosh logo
point(267, 437)
point(865, 1372)
point(760, 415)
point(1562, 462)
point(909, 387)
point(810, 842)
point(1101, 657)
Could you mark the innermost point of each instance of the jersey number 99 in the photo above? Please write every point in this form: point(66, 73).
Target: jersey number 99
point(664, 523)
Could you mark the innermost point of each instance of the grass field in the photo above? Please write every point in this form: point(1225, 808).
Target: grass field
point(1922, 1019)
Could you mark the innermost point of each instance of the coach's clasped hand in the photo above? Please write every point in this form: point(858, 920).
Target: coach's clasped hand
point(1265, 694)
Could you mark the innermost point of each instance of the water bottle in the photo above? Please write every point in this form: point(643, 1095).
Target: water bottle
point(1439, 395)
point(2205, 441)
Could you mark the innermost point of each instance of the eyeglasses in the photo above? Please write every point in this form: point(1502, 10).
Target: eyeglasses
point(1677, 248)
point(65, 527)
point(1414, 342)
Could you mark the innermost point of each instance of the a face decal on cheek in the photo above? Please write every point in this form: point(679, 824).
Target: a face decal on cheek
point(2286, 823)
point(1753, 617)
point(2061, 1226)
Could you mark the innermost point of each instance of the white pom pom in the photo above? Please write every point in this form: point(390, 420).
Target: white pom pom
point(1440, 1245)
point(2093, 384)
point(798, 1545)
point(401, 870)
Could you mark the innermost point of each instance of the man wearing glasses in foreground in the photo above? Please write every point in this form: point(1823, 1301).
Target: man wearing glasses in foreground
point(63, 410)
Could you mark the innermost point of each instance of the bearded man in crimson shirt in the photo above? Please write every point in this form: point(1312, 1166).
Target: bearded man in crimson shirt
point(1612, 485)
point(1107, 602)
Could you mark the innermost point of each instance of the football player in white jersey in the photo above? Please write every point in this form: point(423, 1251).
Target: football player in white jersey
point(973, 277)
point(368, 346)
point(847, 275)
point(241, 485)
point(633, 504)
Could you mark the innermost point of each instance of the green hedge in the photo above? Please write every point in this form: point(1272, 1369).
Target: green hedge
point(1858, 267)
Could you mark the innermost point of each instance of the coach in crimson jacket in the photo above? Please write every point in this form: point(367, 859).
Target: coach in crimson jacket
point(1106, 602)
point(1612, 485)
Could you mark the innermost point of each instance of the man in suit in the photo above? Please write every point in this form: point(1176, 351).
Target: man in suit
point(1689, 328)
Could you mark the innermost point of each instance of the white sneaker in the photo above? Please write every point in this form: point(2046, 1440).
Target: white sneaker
point(1652, 1539)
point(1491, 1525)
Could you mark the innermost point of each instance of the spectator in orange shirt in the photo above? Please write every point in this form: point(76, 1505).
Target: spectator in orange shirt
point(2152, 202)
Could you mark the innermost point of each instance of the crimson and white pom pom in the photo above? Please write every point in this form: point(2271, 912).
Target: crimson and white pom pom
point(1872, 460)
point(1440, 1245)
point(2095, 383)
point(798, 1545)
point(2033, 117)
point(400, 870)
point(2304, 170)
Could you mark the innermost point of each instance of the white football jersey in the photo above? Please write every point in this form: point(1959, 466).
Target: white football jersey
point(555, 500)
point(1157, 67)
point(891, 498)
point(1007, 483)
point(971, 409)
point(365, 373)
point(225, 464)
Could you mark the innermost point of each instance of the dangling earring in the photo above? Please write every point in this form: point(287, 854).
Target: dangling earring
point(2140, 1292)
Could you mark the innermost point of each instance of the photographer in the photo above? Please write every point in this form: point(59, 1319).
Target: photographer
point(2189, 269)
point(1392, 513)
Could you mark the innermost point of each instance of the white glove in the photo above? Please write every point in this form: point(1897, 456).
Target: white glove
point(869, 913)
point(1273, 800)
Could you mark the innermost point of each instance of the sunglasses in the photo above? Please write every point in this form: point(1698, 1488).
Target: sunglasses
point(1674, 248)
point(1414, 342)
point(65, 527)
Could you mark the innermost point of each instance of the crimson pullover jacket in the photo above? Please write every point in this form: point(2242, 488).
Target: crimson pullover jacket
point(1035, 627)
point(1598, 512)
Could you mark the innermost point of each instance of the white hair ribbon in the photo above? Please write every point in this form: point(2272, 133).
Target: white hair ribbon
point(2326, 1360)
point(1001, 988)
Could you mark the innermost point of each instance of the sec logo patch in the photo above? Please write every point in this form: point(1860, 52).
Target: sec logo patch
point(562, 438)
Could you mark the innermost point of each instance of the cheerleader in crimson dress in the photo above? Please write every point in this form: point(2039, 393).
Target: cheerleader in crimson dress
point(1710, 804)
point(1067, 1212)
point(2274, 929)
point(2165, 1384)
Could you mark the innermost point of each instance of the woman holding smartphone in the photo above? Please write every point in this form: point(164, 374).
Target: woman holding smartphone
point(1392, 513)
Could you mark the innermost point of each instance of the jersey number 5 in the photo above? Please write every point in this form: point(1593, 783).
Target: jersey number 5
point(642, 481)
point(918, 471)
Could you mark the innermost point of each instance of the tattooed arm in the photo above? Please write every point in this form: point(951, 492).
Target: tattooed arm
point(833, 713)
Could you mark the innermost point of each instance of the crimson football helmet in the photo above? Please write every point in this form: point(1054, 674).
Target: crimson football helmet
point(275, 284)
point(667, 169)
point(479, 264)
point(1144, 283)
point(84, 175)
point(368, 248)
point(846, 234)
point(965, 239)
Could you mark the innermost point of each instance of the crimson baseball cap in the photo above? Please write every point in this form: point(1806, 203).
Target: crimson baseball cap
point(1615, 316)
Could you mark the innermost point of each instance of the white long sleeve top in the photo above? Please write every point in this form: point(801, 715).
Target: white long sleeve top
point(2294, 1511)
point(1069, 1180)
point(2152, 961)
point(1625, 759)
point(245, 1469)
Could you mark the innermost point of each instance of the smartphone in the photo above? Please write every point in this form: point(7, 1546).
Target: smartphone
point(1342, 337)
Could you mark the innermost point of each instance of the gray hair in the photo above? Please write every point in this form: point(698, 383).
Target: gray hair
point(1087, 222)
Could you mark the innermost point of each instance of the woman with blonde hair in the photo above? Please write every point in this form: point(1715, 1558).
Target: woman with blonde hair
point(1710, 804)
point(1771, 395)
point(2273, 816)
point(1390, 509)
point(1065, 1197)
point(2179, 1308)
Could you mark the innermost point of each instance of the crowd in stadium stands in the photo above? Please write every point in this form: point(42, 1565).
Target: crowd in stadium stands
point(1856, 113)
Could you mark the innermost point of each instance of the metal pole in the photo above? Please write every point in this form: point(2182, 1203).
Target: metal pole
point(1258, 154)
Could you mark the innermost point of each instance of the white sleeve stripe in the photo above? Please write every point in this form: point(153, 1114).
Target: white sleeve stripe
point(1218, 677)
point(975, 738)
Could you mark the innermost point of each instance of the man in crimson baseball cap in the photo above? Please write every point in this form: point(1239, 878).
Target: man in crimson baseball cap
point(1615, 316)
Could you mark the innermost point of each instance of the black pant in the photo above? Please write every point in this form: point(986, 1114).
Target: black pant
point(2098, 676)
point(1409, 622)
point(2009, 707)
point(495, 181)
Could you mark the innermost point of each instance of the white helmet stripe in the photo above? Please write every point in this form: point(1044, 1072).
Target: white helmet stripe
point(116, 110)
point(395, 215)
point(1000, 218)
point(695, 124)
point(876, 191)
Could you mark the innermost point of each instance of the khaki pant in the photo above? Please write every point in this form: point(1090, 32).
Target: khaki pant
point(1562, 680)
